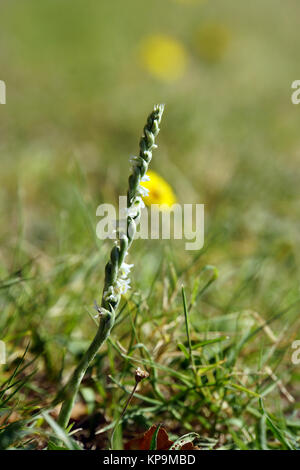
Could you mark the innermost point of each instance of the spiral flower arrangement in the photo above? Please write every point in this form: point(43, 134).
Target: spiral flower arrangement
point(117, 270)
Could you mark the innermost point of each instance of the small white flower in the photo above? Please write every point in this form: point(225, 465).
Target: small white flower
point(145, 178)
point(135, 208)
point(125, 270)
point(122, 285)
point(110, 294)
point(144, 192)
point(132, 212)
point(139, 202)
point(148, 154)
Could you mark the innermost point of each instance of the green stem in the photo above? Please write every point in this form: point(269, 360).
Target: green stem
point(106, 324)
point(111, 292)
point(187, 327)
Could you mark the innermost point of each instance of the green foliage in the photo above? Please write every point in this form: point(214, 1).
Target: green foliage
point(219, 363)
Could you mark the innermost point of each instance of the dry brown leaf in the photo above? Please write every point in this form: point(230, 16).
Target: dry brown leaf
point(162, 442)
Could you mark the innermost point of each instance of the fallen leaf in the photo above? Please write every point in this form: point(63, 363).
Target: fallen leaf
point(162, 441)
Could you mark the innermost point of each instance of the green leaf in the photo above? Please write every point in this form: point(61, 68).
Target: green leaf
point(210, 341)
point(184, 350)
point(60, 433)
point(243, 389)
point(153, 443)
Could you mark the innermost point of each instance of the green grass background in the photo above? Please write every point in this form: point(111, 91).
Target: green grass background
point(77, 98)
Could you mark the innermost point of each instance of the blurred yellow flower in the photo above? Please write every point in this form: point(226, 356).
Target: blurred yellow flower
point(211, 42)
point(163, 56)
point(160, 192)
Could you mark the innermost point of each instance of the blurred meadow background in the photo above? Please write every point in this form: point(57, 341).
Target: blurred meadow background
point(81, 77)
